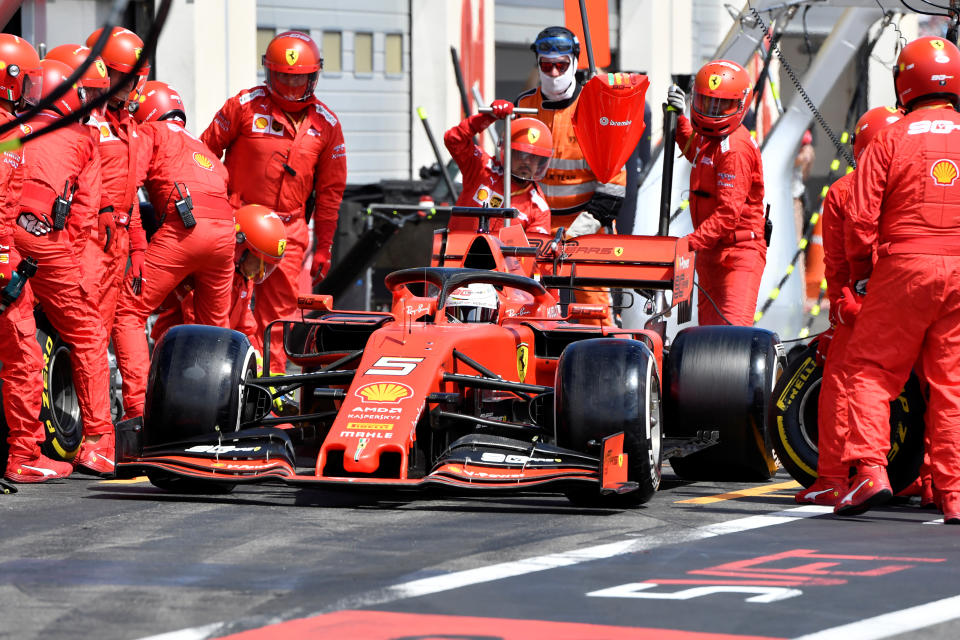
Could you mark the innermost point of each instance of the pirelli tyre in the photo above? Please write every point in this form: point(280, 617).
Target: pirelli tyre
point(793, 424)
point(59, 406)
point(605, 386)
point(195, 388)
point(718, 381)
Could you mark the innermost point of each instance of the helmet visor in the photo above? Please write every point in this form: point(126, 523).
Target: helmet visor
point(528, 166)
point(473, 314)
point(292, 86)
point(715, 107)
point(553, 45)
point(254, 267)
point(32, 86)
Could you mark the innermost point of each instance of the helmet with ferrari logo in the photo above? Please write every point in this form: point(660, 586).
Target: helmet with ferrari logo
point(870, 124)
point(20, 76)
point(292, 63)
point(121, 53)
point(927, 68)
point(157, 101)
point(56, 73)
point(95, 79)
point(531, 147)
point(721, 92)
point(261, 241)
point(476, 302)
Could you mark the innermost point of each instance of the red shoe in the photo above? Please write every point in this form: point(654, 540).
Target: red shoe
point(950, 501)
point(868, 488)
point(97, 457)
point(824, 491)
point(928, 498)
point(39, 469)
point(915, 488)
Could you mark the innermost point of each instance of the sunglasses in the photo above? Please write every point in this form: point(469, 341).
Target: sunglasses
point(553, 44)
point(560, 65)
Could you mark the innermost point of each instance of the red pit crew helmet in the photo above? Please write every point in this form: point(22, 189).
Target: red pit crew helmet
point(157, 101)
point(20, 75)
point(261, 241)
point(927, 68)
point(292, 63)
point(870, 124)
point(721, 92)
point(531, 146)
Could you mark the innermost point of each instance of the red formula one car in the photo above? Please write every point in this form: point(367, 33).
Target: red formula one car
point(522, 399)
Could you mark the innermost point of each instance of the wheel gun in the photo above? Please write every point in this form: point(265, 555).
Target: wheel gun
point(8, 295)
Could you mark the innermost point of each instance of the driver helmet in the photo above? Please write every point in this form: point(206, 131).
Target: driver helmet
point(261, 241)
point(476, 302)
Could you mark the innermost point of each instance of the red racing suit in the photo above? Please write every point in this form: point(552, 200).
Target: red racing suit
point(169, 155)
point(104, 258)
point(832, 424)
point(483, 181)
point(277, 160)
point(906, 208)
point(19, 351)
point(726, 204)
point(67, 156)
point(179, 308)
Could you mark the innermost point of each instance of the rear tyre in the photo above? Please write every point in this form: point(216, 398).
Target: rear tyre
point(719, 378)
point(605, 386)
point(794, 424)
point(196, 384)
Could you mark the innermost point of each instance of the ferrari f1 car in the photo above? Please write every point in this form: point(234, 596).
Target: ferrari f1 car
point(530, 399)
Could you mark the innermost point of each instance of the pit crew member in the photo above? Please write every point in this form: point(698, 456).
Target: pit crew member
point(531, 146)
point(281, 145)
point(61, 193)
point(832, 425)
point(187, 186)
point(906, 212)
point(726, 193)
point(20, 84)
point(571, 188)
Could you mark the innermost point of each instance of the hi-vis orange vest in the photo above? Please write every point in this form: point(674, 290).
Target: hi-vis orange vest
point(569, 182)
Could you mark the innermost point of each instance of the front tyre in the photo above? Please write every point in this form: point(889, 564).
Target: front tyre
point(605, 386)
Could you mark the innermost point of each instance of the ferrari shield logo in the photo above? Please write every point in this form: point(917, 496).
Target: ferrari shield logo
point(618, 251)
point(714, 81)
point(533, 135)
point(937, 44)
point(100, 67)
point(281, 246)
point(292, 55)
point(523, 358)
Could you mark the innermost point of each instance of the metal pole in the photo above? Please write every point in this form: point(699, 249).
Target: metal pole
point(464, 102)
point(666, 185)
point(421, 112)
point(586, 38)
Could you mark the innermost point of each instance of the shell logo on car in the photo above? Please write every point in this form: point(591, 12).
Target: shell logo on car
point(384, 392)
point(202, 161)
point(944, 173)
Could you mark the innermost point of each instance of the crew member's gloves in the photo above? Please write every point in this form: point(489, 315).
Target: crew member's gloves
point(584, 224)
point(848, 307)
point(604, 207)
point(319, 267)
point(500, 109)
point(8, 260)
point(823, 345)
point(136, 270)
point(676, 98)
point(106, 228)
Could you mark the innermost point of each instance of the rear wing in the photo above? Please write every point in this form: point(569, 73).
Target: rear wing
point(629, 262)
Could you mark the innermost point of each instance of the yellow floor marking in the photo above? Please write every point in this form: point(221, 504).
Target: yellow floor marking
point(742, 493)
point(136, 480)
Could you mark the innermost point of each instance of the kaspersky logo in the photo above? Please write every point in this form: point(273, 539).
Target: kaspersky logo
point(944, 173)
point(392, 392)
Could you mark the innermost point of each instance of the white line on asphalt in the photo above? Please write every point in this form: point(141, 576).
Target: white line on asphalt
point(469, 577)
point(895, 623)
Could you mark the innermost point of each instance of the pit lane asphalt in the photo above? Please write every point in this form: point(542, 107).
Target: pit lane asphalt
point(85, 557)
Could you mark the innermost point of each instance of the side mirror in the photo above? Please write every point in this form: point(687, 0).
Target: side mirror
point(578, 311)
point(315, 302)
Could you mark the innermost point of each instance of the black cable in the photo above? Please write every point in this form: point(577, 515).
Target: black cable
point(806, 35)
point(933, 4)
point(714, 304)
point(926, 13)
point(841, 149)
